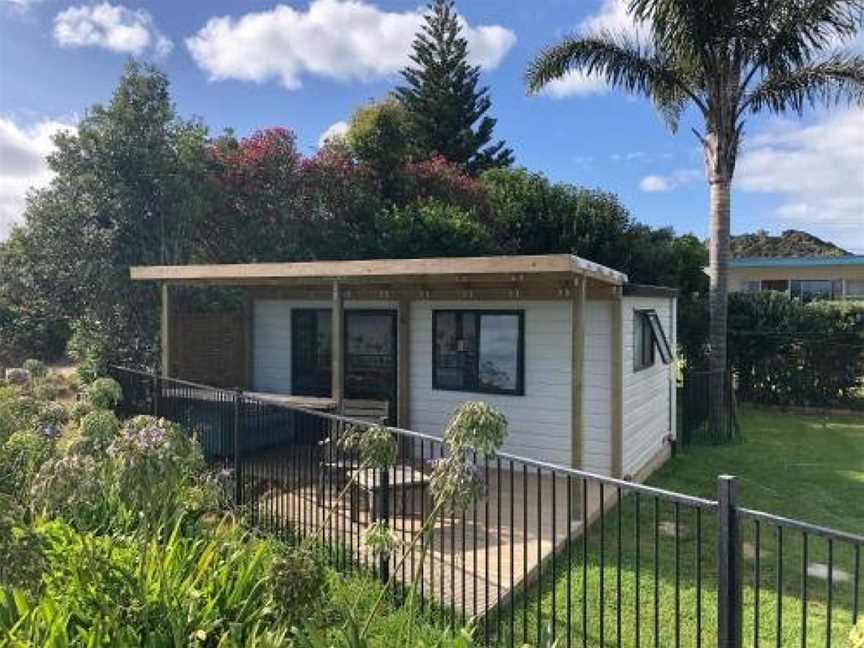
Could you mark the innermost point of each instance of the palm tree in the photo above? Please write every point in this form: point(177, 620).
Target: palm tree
point(728, 59)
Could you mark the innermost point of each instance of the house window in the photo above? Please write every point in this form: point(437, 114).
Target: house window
point(775, 285)
point(810, 289)
point(311, 336)
point(648, 334)
point(479, 351)
point(854, 289)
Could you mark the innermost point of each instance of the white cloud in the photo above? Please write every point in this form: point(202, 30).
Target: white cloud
point(112, 27)
point(22, 165)
point(21, 5)
point(335, 39)
point(817, 169)
point(612, 17)
point(656, 183)
point(334, 130)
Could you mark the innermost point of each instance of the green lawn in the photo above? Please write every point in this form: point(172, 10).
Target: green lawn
point(802, 467)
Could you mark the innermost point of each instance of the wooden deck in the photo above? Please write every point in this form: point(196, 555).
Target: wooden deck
point(475, 560)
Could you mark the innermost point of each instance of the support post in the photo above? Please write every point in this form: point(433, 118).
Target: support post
point(165, 330)
point(403, 363)
point(728, 577)
point(383, 509)
point(238, 471)
point(157, 393)
point(337, 347)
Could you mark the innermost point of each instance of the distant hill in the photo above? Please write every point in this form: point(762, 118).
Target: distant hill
point(791, 243)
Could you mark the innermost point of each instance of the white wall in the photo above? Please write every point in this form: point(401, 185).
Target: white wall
point(539, 420)
point(649, 405)
point(597, 440)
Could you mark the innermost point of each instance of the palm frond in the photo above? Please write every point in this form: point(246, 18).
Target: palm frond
point(838, 78)
point(789, 33)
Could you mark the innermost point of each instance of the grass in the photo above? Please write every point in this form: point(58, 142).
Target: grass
point(803, 467)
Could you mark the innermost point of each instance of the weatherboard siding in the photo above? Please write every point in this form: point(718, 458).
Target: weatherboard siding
point(540, 420)
point(648, 394)
point(597, 410)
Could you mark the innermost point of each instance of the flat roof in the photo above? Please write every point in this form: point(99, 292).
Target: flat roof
point(459, 268)
point(797, 262)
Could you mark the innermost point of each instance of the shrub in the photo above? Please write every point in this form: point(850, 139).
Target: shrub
point(35, 368)
point(90, 345)
point(98, 429)
point(296, 578)
point(785, 352)
point(80, 409)
point(155, 464)
point(77, 488)
point(17, 411)
point(104, 393)
point(21, 561)
point(21, 457)
point(46, 391)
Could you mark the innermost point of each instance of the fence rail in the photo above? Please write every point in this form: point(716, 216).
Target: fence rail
point(581, 558)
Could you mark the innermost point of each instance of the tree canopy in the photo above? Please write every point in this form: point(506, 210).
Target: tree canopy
point(442, 97)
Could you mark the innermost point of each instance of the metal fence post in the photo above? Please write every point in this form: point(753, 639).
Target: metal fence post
point(728, 574)
point(238, 470)
point(157, 393)
point(384, 516)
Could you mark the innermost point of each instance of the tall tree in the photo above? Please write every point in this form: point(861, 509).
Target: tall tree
point(726, 59)
point(441, 94)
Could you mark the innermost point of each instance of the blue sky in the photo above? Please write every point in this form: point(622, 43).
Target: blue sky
point(308, 65)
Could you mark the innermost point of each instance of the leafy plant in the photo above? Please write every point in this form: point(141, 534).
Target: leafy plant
point(296, 576)
point(104, 393)
point(98, 430)
point(35, 368)
point(21, 457)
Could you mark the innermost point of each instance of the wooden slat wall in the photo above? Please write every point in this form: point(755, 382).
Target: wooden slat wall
point(210, 348)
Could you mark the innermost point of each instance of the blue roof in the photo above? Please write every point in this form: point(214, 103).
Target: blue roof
point(797, 262)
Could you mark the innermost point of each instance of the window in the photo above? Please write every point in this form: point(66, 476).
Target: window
point(311, 335)
point(643, 342)
point(810, 289)
point(752, 286)
point(648, 333)
point(854, 289)
point(478, 351)
point(775, 285)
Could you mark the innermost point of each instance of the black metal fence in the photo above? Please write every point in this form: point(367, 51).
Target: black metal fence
point(547, 552)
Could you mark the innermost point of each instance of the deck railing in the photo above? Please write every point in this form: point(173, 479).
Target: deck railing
point(549, 551)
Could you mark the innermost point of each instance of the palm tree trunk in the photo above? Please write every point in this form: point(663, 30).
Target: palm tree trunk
point(718, 265)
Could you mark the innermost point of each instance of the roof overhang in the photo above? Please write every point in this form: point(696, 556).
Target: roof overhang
point(466, 269)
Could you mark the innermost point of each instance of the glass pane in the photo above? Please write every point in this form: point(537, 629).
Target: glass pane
point(854, 288)
point(455, 350)
point(499, 352)
point(370, 355)
point(777, 285)
point(812, 289)
point(310, 352)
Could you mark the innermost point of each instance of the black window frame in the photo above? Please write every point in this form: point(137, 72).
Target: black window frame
point(642, 328)
point(651, 327)
point(519, 390)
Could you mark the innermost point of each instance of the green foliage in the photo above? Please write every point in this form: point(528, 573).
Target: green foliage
point(297, 578)
point(18, 411)
point(104, 393)
point(441, 94)
point(785, 352)
point(375, 445)
point(21, 562)
point(186, 591)
point(379, 135)
point(36, 368)
point(21, 457)
point(91, 346)
point(80, 409)
point(856, 636)
point(433, 228)
point(791, 243)
point(98, 430)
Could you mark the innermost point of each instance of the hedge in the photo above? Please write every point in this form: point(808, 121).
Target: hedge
point(785, 352)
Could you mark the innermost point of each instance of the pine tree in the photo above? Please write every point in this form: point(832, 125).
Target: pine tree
point(442, 97)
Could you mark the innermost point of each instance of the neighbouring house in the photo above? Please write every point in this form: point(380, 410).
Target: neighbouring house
point(815, 277)
point(578, 359)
